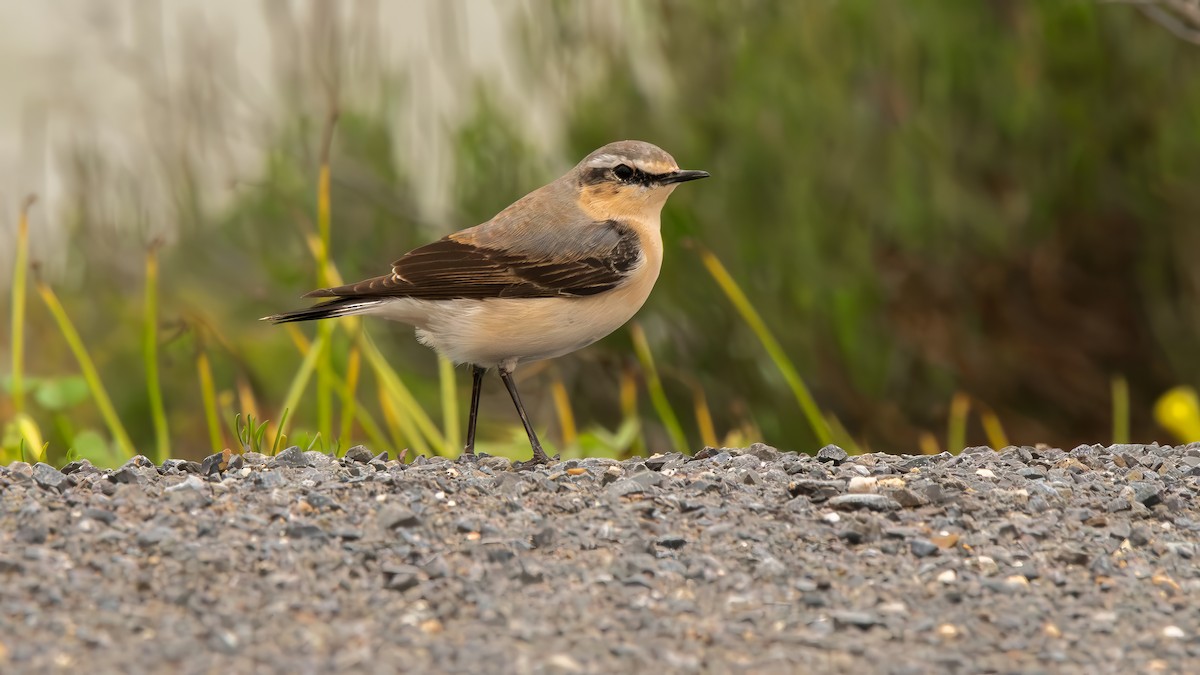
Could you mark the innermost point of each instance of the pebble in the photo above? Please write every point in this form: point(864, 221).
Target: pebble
point(291, 456)
point(192, 482)
point(922, 548)
point(391, 517)
point(832, 454)
point(359, 454)
point(870, 502)
point(48, 476)
point(862, 485)
point(751, 559)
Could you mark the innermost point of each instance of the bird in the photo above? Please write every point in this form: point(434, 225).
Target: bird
point(555, 271)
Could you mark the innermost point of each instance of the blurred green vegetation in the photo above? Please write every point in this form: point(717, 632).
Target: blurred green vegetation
point(935, 208)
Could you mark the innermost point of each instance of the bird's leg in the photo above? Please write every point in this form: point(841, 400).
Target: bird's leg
point(476, 388)
point(539, 455)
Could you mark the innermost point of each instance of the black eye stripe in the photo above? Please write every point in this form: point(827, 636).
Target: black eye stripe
point(637, 176)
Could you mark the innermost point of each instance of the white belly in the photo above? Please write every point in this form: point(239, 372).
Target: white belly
point(507, 331)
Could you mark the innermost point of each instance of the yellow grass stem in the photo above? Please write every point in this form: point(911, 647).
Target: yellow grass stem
point(391, 418)
point(566, 416)
point(658, 396)
point(32, 436)
point(629, 408)
point(406, 404)
point(956, 432)
point(158, 415)
point(704, 420)
point(324, 329)
point(993, 428)
point(302, 376)
point(752, 318)
point(350, 407)
point(247, 402)
point(88, 368)
point(449, 389)
point(928, 444)
point(349, 391)
point(20, 276)
point(1120, 409)
point(208, 394)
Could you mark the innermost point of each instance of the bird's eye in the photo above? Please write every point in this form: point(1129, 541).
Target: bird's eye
point(623, 172)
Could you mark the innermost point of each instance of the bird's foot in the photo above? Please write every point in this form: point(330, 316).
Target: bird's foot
point(540, 458)
point(468, 457)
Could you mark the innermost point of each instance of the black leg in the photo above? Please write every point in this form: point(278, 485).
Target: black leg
point(539, 455)
point(476, 388)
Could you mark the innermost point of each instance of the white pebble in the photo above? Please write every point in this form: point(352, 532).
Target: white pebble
point(985, 473)
point(831, 517)
point(948, 577)
point(1174, 632)
point(985, 565)
point(861, 485)
point(1017, 581)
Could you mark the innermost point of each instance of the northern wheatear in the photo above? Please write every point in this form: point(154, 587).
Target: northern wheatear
point(560, 268)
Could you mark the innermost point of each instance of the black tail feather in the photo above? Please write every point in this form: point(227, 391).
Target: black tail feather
point(325, 310)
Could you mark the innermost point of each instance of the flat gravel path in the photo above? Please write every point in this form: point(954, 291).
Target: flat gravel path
point(752, 560)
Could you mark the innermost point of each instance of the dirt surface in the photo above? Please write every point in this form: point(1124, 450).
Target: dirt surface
point(1025, 560)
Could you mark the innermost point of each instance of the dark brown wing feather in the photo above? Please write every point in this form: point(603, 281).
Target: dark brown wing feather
point(450, 269)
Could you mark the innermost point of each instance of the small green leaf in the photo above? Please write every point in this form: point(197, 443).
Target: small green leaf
point(61, 393)
point(91, 446)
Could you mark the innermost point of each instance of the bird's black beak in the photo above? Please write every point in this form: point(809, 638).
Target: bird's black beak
point(682, 176)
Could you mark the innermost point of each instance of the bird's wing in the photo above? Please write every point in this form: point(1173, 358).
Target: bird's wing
point(466, 266)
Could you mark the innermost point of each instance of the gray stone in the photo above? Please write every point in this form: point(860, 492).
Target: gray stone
point(192, 483)
point(125, 475)
point(625, 487)
point(763, 451)
point(49, 477)
point(922, 547)
point(401, 577)
point(832, 454)
point(870, 502)
point(1144, 492)
point(291, 456)
point(270, 479)
point(392, 517)
point(359, 454)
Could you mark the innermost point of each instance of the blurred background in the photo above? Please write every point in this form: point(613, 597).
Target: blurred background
point(949, 223)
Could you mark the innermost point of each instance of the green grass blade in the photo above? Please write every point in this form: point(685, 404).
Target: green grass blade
point(658, 396)
point(349, 390)
point(750, 315)
point(406, 404)
point(279, 432)
point(88, 368)
point(302, 376)
point(208, 394)
point(31, 436)
point(325, 329)
point(158, 415)
point(451, 430)
point(20, 276)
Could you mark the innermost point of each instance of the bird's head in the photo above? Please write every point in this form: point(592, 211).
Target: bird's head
point(627, 178)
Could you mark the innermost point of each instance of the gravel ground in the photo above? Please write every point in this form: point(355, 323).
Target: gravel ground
point(751, 560)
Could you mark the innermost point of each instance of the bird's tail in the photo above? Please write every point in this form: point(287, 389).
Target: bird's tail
point(325, 310)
